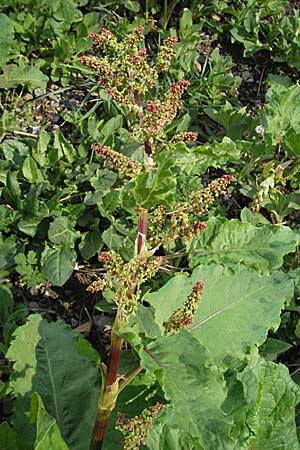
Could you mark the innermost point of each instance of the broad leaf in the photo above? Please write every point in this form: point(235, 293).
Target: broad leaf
point(28, 76)
point(281, 115)
point(59, 264)
point(61, 231)
point(45, 360)
point(156, 187)
point(236, 311)
point(193, 385)
point(232, 242)
point(90, 244)
point(271, 395)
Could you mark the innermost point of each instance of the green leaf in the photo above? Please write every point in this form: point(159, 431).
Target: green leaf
point(8, 250)
point(59, 264)
point(232, 242)
point(6, 303)
point(45, 360)
point(28, 76)
point(217, 154)
point(132, 6)
point(64, 147)
point(29, 226)
point(90, 244)
point(6, 38)
point(48, 435)
point(66, 11)
point(42, 146)
point(156, 188)
point(111, 126)
point(12, 192)
point(15, 151)
point(194, 386)
point(61, 232)
point(112, 238)
point(8, 437)
point(30, 170)
point(236, 311)
point(281, 115)
point(271, 395)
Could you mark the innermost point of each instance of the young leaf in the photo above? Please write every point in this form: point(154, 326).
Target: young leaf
point(30, 170)
point(61, 232)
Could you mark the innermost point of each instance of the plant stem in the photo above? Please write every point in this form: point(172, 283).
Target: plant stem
point(110, 390)
point(142, 232)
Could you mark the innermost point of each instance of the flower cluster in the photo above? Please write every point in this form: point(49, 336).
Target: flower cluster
point(126, 278)
point(201, 201)
point(165, 55)
point(122, 67)
point(166, 227)
point(137, 428)
point(183, 317)
point(119, 162)
point(187, 136)
point(159, 113)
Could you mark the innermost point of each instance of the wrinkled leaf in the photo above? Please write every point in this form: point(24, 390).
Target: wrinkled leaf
point(232, 242)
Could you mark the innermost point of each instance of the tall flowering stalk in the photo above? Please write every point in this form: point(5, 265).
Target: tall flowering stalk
point(124, 70)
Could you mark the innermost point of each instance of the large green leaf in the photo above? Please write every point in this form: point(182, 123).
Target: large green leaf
point(48, 435)
point(193, 385)
point(232, 242)
point(46, 360)
point(165, 434)
point(271, 395)
point(236, 311)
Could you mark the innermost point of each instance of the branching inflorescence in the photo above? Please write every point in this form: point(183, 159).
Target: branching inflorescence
point(136, 429)
point(126, 278)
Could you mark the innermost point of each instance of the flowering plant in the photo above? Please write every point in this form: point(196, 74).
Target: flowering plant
point(124, 70)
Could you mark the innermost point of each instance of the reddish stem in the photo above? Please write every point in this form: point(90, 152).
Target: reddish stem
point(142, 231)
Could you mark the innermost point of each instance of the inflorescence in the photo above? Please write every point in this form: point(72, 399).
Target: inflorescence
point(136, 429)
point(183, 317)
point(115, 160)
point(126, 278)
point(183, 221)
point(123, 69)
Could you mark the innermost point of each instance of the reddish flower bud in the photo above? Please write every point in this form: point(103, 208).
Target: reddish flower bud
point(143, 52)
point(105, 31)
point(139, 30)
point(228, 178)
point(83, 59)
